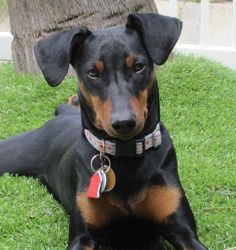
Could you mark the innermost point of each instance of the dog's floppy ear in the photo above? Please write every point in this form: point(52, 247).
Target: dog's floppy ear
point(53, 53)
point(159, 33)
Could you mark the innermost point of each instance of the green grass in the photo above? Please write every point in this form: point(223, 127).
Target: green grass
point(198, 100)
point(2, 2)
point(3, 9)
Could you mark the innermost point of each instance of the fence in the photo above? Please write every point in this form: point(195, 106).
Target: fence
point(5, 46)
point(225, 55)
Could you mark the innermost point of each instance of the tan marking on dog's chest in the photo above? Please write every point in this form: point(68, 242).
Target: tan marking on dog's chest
point(99, 212)
point(158, 204)
point(155, 203)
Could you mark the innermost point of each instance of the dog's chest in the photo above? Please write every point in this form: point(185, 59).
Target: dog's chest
point(154, 203)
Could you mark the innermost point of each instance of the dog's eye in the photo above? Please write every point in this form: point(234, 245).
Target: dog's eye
point(93, 74)
point(139, 67)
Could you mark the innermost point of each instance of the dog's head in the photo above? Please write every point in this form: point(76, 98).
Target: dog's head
point(114, 67)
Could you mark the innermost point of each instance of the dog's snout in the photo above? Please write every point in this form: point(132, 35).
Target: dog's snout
point(123, 126)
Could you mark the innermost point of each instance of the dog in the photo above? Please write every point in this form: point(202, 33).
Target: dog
point(111, 163)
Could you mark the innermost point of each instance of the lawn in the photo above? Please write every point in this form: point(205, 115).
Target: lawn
point(198, 106)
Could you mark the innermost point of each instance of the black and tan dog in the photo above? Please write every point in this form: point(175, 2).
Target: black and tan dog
point(112, 165)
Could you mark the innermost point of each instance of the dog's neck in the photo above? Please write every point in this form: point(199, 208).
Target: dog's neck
point(152, 119)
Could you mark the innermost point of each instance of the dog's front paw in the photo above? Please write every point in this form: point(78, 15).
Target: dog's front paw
point(82, 242)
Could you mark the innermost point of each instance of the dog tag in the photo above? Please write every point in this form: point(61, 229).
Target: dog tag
point(95, 185)
point(104, 181)
point(111, 180)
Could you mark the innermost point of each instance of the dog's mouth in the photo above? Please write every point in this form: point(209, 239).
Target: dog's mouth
point(124, 136)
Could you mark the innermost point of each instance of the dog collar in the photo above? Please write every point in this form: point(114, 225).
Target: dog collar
point(131, 148)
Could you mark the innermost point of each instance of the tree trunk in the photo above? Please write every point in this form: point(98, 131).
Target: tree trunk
point(32, 20)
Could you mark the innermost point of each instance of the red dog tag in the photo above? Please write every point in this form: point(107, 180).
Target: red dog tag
point(95, 185)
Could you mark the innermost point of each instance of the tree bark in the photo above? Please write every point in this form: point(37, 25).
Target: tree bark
point(31, 20)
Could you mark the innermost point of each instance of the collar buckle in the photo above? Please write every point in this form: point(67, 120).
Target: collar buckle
point(131, 148)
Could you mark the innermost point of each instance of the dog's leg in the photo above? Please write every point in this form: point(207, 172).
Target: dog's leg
point(180, 229)
point(21, 155)
point(167, 206)
point(79, 239)
point(67, 109)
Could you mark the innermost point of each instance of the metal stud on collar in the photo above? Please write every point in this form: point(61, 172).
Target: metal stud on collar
point(105, 161)
point(104, 166)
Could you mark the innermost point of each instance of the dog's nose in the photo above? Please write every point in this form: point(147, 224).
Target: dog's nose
point(124, 126)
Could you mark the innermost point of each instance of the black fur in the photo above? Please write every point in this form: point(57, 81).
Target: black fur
point(59, 154)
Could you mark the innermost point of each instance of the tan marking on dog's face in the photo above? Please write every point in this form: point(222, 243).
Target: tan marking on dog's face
point(139, 106)
point(98, 212)
point(101, 110)
point(99, 66)
point(129, 61)
point(157, 203)
point(86, 95)
point(151, 80)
